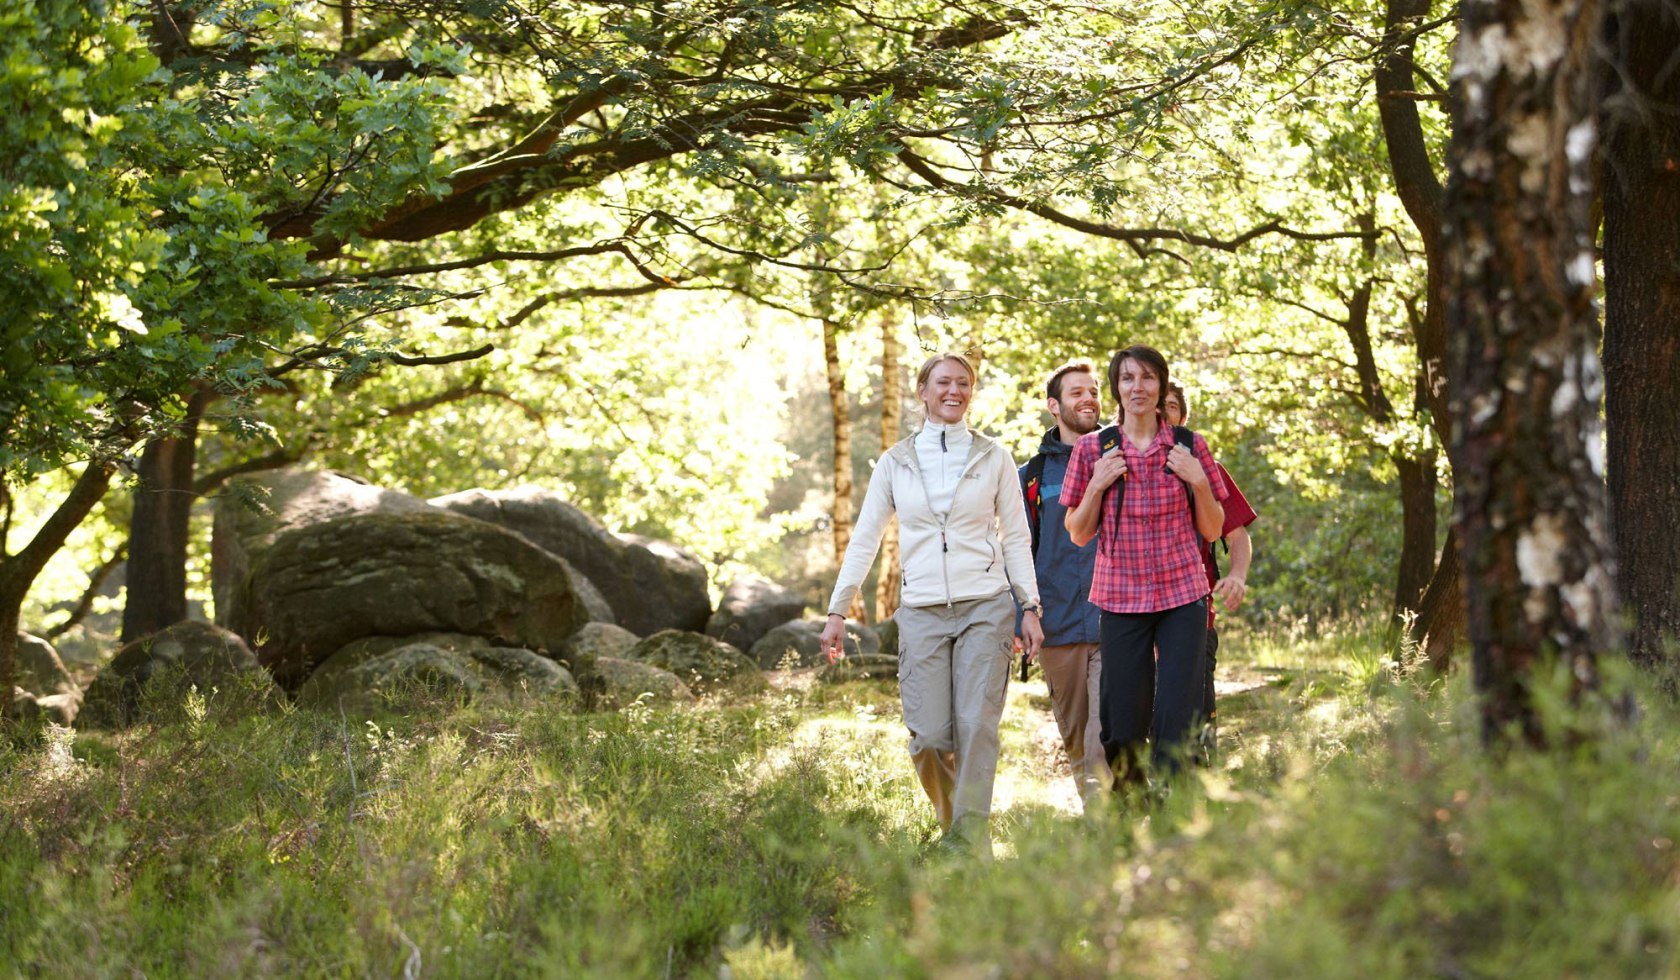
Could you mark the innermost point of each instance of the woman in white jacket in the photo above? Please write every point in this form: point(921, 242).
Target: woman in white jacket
point(964, 539)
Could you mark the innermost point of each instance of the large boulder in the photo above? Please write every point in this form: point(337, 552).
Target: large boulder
point(626, 682)
point(650, 585)
point(165, 665)
point(593, 641)
point(255, 510)
point(751, 607)
point(866, 666)
point(798, 643)
point(702, 662)
point(448, 666)
point(887, 632)
point(319, 587)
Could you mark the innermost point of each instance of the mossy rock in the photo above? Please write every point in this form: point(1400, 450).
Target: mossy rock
point(705, 664)
point(627, 682)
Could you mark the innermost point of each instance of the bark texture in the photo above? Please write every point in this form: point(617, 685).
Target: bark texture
point(1439, 623)
point(892, 420)
point(1525, 374)
point(159, 529)
point(844, 504)
point(1641, 187)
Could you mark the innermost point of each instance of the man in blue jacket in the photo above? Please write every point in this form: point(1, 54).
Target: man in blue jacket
point(1070, 658)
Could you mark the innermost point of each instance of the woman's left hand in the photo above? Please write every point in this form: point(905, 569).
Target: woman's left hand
point(1183, 464)
point(1032, 634)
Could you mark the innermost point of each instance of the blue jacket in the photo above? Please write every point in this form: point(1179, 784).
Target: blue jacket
point(1064, 571)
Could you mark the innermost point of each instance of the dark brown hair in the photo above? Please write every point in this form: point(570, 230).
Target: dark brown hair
point(1183, 402)
point(1053, 387)
point(1143, 354)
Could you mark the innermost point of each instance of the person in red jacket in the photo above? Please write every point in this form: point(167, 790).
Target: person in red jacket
point(1233, 585)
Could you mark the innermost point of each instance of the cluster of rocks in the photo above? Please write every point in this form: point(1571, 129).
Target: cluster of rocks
point(337, 593)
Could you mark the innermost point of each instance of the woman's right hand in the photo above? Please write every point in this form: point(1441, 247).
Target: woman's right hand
point(834, 638)
point(1109, 469)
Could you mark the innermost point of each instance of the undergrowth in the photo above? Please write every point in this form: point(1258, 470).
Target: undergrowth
point(1354, 826)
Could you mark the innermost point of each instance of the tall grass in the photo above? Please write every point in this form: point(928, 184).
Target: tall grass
point(1352, 829)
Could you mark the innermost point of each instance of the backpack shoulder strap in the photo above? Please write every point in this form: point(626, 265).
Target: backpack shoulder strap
point(1110, 438)
point(1032, 490)
point(1184, 437)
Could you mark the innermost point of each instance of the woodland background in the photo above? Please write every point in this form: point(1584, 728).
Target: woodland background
point(675, 261)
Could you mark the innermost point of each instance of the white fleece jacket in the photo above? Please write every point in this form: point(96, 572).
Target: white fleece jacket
point(961, 555)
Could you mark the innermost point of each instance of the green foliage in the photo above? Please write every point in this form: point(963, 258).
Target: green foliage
point(73, 242)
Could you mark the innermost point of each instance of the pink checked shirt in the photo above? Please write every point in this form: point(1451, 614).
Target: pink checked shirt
point(1149, 559)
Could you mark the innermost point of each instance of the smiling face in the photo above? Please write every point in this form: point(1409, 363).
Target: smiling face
point(946, 392)
point(1077, 406)
point(1139, 386)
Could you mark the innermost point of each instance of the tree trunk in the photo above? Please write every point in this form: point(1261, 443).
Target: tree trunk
point(18, 572)
point(1440, 621)
point(1641, 183)
point(1417, 538)
point(892, 418)
point(159, 529)
point(1440, 617)
point(838, 403)
point(1529, 499)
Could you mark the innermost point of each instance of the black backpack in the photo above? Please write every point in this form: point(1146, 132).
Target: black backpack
point(1109, 438)
point(1032, 478)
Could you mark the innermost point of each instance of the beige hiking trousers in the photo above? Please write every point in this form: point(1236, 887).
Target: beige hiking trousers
point(953, 672)
point(1073, 673)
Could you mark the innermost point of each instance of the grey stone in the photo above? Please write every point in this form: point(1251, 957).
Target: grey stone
point(595, 640)
point(320, 587)
point(40, 671)
point(255, 510)
point(702, 662)
point(751, 607)
point(367, 672)
point(886, 631)
point(627, 681)
point(865, 666)
point(798, 643)
point(170, 662)
point(650, 585)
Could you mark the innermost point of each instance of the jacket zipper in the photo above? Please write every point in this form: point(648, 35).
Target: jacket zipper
point(944, 542)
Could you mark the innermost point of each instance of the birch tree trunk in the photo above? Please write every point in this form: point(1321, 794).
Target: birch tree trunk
point(1528, 459)
point(892, 420)
point(843, 503)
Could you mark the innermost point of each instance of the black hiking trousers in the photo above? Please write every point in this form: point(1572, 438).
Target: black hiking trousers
point(1145, 697)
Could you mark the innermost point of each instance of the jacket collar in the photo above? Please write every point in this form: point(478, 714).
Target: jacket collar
point(904, 451)
point(1052, 444)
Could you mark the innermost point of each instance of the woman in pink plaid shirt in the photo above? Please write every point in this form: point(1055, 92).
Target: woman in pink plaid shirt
point(1149, 580)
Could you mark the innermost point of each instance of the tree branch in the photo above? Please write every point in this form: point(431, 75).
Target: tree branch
point(84, 605)
point(1137, 238)
point(619, 246)
point(407, 360)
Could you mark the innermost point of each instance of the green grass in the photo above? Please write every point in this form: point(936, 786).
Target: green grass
point(1353, 828)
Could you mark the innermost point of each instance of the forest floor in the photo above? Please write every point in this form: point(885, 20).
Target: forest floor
point(1352, 827)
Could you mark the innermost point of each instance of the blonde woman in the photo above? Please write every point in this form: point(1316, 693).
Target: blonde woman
point(963, 539)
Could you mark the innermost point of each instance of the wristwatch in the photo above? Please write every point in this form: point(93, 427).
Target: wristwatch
point(1036, 608)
